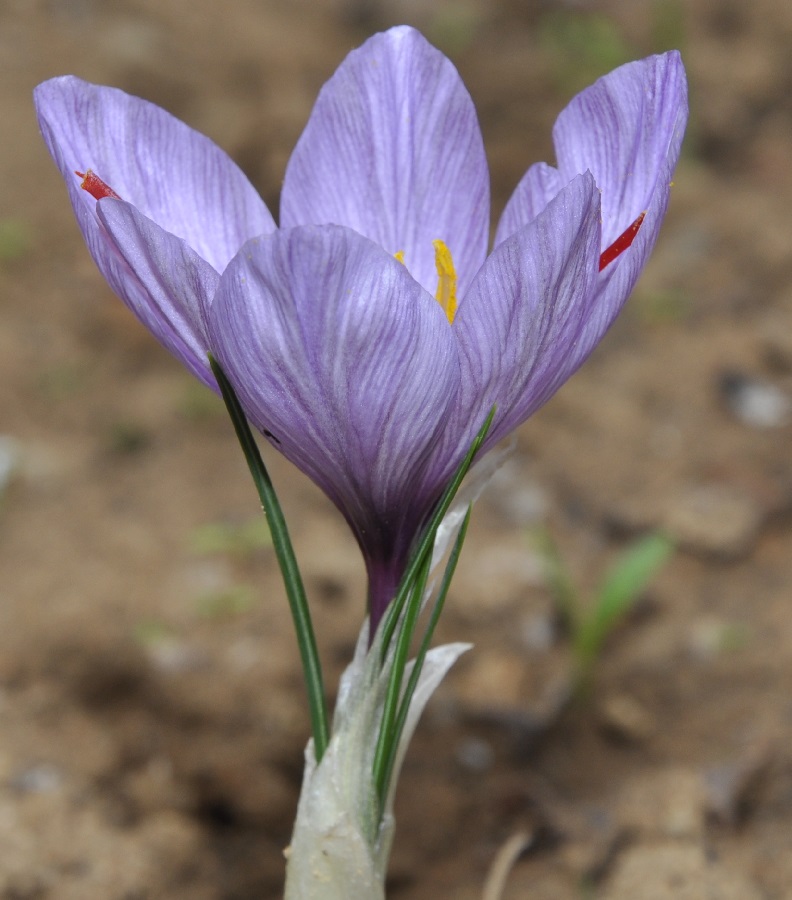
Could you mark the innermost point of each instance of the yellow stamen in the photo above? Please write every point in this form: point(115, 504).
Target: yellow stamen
point(446, 280)
point(399, 254)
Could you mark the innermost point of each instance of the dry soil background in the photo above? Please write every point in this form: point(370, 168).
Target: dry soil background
point(151, 715)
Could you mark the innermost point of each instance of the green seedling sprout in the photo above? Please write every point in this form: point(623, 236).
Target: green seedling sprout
point(226, 602)
point(239, 540)
point(590, 624)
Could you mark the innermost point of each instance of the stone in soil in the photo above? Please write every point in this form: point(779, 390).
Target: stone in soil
point(714, 520)
point(675, 871)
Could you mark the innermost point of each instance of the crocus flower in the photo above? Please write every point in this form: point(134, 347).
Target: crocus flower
point(368, 337)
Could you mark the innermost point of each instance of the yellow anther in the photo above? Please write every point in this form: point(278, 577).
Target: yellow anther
point(399, 255)
point(446, 280)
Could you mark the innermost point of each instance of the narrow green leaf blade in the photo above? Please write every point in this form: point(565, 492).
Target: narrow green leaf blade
point(620, 589)
point(383, 782)
point(292, 580)
point(388, 727)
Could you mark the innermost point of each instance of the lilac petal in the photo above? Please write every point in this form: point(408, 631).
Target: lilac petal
point(536, 189)
point(525, 312)
point(175, 176)
point(393, 150)
point(616, 282)
point(633, 166)
point(160, 278)
point(346, 364)
point(626, 129)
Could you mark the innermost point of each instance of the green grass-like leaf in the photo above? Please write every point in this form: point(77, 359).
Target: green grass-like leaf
point(618, 592)
point(589, 624)
point(420, 657)
point(287, 561)
point(399, 622)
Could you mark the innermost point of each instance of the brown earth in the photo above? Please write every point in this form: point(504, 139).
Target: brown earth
point(150, 698)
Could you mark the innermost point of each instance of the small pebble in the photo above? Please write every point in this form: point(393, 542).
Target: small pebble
point(729, 786)
point(492, 678)
point(40, 779)
point(176, 656)
point(475, 754)
point(517, 501)
point(714, 519)
point(538, 632)
point(675, 871)
point(626, 718)
point(754, 402)
point(668, 802)
point(496, 577)
point(709, 637)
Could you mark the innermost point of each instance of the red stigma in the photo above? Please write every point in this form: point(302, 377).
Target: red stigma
point(95, 186)
point(621, 243)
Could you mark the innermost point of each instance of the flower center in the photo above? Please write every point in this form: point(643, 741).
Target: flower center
point(446, 278)
point(95, 186)
point(621, 243)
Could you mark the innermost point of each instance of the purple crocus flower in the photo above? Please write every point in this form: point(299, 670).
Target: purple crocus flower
point(369, 336)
